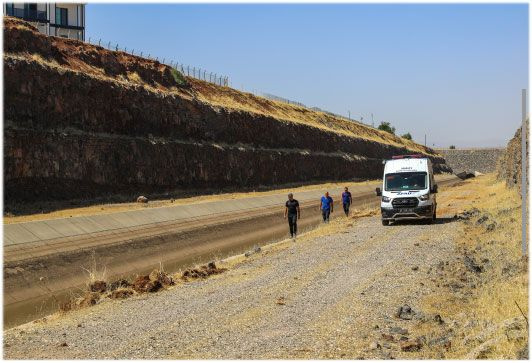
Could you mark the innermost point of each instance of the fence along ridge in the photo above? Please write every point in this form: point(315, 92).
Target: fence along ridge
point(187, 70)
point(204, 75)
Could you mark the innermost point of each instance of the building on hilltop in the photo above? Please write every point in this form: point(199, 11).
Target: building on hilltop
point(65, 20)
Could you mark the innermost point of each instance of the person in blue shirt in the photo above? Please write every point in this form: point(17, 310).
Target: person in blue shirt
point(347, 200)
point(326, 207)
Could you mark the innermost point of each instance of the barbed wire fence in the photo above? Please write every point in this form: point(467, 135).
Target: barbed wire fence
point(292, 102)
point(204, 75)
point(186, 70)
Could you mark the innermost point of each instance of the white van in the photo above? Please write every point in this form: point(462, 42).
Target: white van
point(408, 189)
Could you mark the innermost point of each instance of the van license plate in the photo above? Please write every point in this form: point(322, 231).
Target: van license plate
point(407, 210)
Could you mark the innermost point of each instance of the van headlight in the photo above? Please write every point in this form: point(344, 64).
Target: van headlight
point(386, 199)
point(424, 197)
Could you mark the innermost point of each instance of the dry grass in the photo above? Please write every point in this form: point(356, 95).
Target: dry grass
point(243, 101)
point(493, 303)
point(134, 77)
point(93, 272)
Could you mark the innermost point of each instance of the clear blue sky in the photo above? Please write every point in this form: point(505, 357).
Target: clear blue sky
point(454, 72)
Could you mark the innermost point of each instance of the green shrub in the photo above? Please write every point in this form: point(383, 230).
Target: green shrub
point(385, 126)
point(178, 77)
point(452, 147)
point(407, 136)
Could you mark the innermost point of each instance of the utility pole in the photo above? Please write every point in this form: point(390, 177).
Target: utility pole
point(372, 123)
point(523, 174)
point(425, 139)
point(349, 112)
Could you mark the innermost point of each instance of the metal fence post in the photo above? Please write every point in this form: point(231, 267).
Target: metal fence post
point(523, 174)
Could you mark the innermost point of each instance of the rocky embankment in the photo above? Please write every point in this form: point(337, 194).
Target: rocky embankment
point(84, 122)
point(509, 165)
point(470, 160)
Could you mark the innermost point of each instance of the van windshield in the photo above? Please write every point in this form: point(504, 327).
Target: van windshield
point(406, 181)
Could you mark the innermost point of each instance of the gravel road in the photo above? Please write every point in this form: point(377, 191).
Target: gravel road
point(319, 297)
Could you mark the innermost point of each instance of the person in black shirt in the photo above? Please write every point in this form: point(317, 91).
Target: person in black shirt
point(292, 212)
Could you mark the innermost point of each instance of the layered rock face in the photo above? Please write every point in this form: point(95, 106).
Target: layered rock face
point(509, 164)
point(470, 160)
point(84, 122)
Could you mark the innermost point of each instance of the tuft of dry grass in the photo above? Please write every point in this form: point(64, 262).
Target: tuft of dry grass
point(93, 272)
point(134, 77)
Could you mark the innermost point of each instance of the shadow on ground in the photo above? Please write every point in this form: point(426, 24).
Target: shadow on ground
point(442, 220)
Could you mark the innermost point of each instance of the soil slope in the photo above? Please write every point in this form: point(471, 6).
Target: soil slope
point(84, 122)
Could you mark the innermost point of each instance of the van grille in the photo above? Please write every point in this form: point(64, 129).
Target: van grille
point(405, 202)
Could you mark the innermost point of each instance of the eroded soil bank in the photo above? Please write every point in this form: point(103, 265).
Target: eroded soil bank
point(86, 123)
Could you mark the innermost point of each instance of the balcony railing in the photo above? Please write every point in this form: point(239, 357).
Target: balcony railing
point(27, 14)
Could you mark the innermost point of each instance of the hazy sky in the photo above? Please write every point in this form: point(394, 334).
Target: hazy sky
point(453, 72)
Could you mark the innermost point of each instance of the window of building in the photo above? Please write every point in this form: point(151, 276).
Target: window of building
point(61, 16)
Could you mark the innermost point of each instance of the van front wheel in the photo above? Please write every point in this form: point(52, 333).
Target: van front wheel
point(384, 222)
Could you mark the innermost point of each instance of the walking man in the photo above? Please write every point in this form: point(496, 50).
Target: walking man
point(326, 207)
point(292, 212)
point(346, 201)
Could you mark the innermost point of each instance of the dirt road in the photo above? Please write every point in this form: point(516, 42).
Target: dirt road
point(320, 297)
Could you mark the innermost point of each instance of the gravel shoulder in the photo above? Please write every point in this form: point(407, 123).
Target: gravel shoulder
point(324, 296)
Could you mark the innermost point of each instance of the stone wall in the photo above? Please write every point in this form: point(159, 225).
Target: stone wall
point(483, 160)
point(509, 165)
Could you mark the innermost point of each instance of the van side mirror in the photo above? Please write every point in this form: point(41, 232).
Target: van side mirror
point(434, 189)
point(378, 192)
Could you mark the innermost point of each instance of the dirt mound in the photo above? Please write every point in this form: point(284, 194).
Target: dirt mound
point(122, 283)
point(98, 286)
point(162, 277)
point(121, 293)
point(202, 272)
point(89, 299)
point(143, 284)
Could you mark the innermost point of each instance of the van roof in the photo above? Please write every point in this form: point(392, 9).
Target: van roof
point(407, 165)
